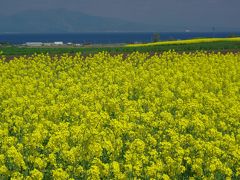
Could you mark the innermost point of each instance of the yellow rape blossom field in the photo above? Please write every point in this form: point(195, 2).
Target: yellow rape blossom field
point(136, 116)
point(187, 41)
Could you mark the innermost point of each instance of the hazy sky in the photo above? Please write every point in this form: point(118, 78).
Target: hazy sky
point(212, 13)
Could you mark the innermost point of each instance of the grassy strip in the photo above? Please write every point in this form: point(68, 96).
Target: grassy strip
point(210, 46)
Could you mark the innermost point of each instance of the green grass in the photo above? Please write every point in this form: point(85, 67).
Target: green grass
point(207, 46)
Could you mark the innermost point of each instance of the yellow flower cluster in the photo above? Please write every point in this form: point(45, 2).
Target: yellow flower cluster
point(136, 116)
point(187, 41)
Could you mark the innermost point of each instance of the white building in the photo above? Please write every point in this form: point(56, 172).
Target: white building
point(47, 44)
point(58, 43)
point(34, 43)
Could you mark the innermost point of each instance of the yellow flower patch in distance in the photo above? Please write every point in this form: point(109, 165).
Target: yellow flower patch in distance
point(187, 41)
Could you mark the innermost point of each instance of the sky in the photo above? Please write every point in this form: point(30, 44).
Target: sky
point(187, 13)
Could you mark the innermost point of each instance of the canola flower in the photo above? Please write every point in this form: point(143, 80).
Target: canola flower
point(187, 41)
point(168, 116)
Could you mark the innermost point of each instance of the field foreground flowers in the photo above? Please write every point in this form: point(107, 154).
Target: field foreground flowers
point(168, 116)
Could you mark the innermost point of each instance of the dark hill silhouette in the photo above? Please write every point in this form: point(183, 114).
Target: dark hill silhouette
point(63, 21)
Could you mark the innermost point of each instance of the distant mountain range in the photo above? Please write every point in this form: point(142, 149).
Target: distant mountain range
point(63, 21)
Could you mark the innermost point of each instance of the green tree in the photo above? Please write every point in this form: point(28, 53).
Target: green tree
point(155, 37)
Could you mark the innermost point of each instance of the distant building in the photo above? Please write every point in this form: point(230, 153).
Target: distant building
point(136, 42)
point(58, 43)
point(34, 43)
point(47, 44)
